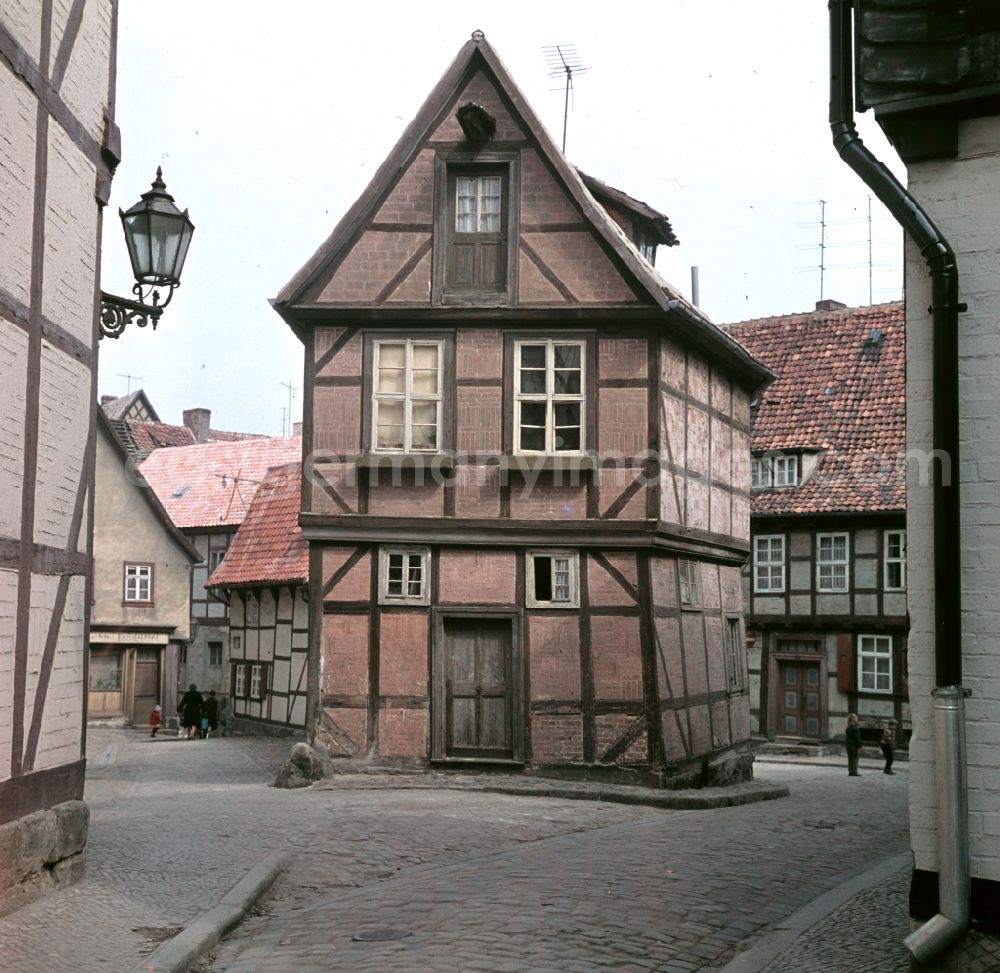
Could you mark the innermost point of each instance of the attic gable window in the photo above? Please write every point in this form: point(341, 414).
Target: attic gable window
point(476, 248)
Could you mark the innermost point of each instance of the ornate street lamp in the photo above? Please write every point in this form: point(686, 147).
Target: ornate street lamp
point(157, 234)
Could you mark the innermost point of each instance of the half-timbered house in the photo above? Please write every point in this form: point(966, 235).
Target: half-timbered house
point(59, 145)
point(263, 578)
point(826, 581)
point(526, 480)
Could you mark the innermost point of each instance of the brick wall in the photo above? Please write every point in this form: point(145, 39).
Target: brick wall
point(371, 264)
point(962, 196)
point(477, 578)
point(345, 655)
point(555, 656)
point(402, 654)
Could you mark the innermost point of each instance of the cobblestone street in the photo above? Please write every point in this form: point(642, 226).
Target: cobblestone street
point(475, 881)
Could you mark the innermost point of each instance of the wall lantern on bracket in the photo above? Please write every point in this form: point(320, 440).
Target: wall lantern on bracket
point(158, 235)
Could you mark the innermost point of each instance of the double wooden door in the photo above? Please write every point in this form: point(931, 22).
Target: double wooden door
point(799, 707)
point(478, 696)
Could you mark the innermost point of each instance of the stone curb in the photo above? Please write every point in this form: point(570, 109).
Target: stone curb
point(686, 800)
point(179, 954)
point(782, 934)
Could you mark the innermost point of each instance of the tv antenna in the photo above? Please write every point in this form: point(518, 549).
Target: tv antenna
point(564, 62)
point(128, 385)
point(291, 392)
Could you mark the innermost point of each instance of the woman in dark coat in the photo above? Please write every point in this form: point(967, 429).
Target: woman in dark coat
point(190, 709)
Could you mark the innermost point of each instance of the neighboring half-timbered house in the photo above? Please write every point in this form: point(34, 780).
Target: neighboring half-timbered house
point(263, 578)
point(826, 583)
point(526, 481)
point(59, 146)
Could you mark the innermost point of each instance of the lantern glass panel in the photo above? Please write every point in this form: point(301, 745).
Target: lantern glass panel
point(165, 241)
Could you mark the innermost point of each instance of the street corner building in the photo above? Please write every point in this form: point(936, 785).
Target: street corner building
point(58, 149)
point(826, 581)
point(525, 487)
point(264, 579)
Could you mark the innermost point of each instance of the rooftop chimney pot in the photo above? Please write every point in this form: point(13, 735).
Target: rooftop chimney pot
point(199, 421)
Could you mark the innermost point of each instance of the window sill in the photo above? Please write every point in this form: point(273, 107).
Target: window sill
point(538, 462)
point(444, 460)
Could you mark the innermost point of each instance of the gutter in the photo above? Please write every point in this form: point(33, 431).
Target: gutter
point(954, 887)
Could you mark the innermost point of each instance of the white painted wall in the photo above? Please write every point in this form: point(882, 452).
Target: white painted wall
point(962, 196)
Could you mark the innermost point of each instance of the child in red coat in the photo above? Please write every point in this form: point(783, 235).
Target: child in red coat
point(154, 719)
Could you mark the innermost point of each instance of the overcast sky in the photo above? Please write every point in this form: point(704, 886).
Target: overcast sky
point(270, 120)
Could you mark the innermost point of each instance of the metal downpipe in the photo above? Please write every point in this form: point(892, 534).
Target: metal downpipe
point(954, 891)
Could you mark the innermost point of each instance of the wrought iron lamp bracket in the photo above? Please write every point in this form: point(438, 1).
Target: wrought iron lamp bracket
point(117, 312)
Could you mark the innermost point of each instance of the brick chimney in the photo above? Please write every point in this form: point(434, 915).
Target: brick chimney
point(296, 428)
point(105, 399)
point(199, 421)
point(829, 305)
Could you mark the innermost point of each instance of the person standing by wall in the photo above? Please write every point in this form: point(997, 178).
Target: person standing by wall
point(889, 746)
point(852, 739)
point(190, 708)
point(211, 713)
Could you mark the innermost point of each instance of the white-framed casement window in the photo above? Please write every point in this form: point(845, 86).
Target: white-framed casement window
point(895, 560)
point(735, 679)
point(406, 396)
point(773, 471)
point(688, 575)
point(477, 203)
point(549, 397)
point(256, 681)
point(832, 562)
point(769, 563)
point(239, 680)
point(553, 579)
point(404, 576)
point(875, 663)
point(138, 584)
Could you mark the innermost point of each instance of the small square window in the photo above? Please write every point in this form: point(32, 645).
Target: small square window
point(553, 579)
point(215, 653)
point(404, 576)
point(138, 584)
point(237, 643)
point(832, 562)
point(895, 560)
point(688, 573)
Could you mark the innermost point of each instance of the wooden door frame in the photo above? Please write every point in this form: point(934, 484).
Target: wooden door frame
point(777, 657)
point(438, 703)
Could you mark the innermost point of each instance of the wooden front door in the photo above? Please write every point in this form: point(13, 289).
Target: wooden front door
point(147, 684)
point(478, 673)
point(799, 708)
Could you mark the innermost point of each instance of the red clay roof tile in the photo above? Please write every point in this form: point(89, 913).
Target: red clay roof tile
point(841, 393)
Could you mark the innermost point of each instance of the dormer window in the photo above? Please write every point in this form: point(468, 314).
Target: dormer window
point(646, 247)
point(773, 471)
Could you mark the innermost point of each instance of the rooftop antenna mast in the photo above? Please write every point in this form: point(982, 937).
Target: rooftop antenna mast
point(291, 392)
point(128, 385)
point(564, 62)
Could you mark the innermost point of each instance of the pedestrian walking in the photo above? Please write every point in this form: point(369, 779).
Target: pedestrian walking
point(211, 713)
point(852, 740)
point(155, 719)
point(889, 746)
point(224, 721)
point(190, 708)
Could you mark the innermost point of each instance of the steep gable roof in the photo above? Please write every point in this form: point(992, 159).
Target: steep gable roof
point(269, 547)
point(212, 485)
point(145, 490)
point(432, 118)
point(841, 390)
point(135, 405)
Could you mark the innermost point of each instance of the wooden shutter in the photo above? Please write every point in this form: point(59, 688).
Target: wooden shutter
point(846, 664)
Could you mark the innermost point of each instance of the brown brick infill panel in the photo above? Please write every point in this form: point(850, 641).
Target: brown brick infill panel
point(341, 572)
point(741, 650)
point(687, 454)
point(623, 582)
point(628, 493)
point(656, 752)
point(664, 421)
point(632, 733)
point(547, 273)
point(685, 738)
point(83, 491)
point(32, 412)
point(704, 620)
point(586, 666)
point(449, 421)
point(717, 413)
point(408, 267)
point(334, 349)
point(653, 434)
point(309, 372)
point(70, 32)
point(436, 696)
point(329, 489)
point(374, 650)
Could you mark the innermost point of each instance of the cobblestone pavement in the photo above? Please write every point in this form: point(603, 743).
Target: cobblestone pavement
point(476, 881)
